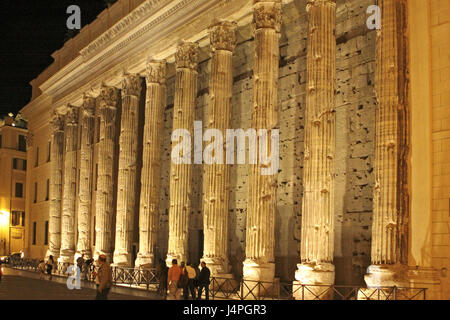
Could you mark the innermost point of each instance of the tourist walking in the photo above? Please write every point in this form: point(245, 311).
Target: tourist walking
point(161, 273)
point(80, 264)
point(173, 278)
point(204, 281)
point(190, 287)
point(41, 269)
point(103, 279)
point(49, 266)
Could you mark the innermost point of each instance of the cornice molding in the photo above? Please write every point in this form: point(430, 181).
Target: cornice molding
point(130, 21)
point(152, 31)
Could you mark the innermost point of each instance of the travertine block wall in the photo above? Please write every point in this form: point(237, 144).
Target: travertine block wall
point(440, 46)
point(355, 132)
point(355, 102)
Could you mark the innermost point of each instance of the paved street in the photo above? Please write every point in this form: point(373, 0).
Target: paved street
point(16, 287)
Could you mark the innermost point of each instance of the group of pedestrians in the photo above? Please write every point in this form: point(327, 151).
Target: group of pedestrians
point(46, 267)
point(183, 279)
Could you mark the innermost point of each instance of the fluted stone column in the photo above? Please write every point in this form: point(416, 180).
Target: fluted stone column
point(127, 192)
point(180, 174)
point(260, 238)
point(86, 169)
point(151, 162)
point(216, 179)
point(67, 252)
point(104, 205)
point(56, 171)
point(391, 198)
point(317, 238)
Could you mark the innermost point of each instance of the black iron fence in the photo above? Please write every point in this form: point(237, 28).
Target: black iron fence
point(226, 289)
point(230, 289)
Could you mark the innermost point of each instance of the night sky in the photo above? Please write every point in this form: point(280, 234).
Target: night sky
point(31, 30)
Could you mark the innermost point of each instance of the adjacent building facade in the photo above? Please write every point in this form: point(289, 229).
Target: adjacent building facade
point(362, 192)
point(13, 166)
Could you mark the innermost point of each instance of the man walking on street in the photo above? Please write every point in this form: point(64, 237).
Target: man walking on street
point(190, 283)
point(203, 281)
point(104, 278)
point(172, 281)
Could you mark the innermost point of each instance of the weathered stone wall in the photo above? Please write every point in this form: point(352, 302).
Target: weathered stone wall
point(355, 130)
point(355, 104)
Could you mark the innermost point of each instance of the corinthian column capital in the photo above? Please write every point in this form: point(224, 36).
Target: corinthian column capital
point(223, 35)
point(57, 122)
point(156, 71)
point(131, 85)
point(72, 115)
point(311, 3)
point(267, 14)
point(187, 55)
point(88, 107)
point(109, 97)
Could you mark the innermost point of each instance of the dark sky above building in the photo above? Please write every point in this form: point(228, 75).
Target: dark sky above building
point(31, 30)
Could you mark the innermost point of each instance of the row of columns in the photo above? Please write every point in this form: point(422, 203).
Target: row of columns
point(390, 195)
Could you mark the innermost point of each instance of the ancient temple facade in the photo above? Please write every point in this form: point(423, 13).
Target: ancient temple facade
point(354, 97)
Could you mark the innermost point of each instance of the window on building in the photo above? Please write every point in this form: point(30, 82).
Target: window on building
point(18, 218)
point(49, 150)
point(36, 161)
point(34, 233)
point(35, 192)
point(19, 190)
point(19, 164)
point(47, 192)
point(46, 233)
point(22, 143)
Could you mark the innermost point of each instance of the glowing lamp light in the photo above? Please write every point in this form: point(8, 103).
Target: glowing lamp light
point(4, 217)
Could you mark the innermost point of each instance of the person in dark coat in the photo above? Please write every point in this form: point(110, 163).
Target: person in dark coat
point(204, 281)
point(161, 273)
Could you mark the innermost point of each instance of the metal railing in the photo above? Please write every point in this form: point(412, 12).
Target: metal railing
point(230, 289)
point(226, 289)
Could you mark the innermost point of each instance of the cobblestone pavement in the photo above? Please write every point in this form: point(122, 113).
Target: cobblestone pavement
point(13, 286)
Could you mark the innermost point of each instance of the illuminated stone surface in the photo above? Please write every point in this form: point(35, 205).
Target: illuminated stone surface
point(86, 170)
point(217, 176)
point(105, 211)
point(54, 231)
point(151, 162)
point(68, 227)
point(260, 237)
point(181, 174)
point(126, 182)
point(317, 245)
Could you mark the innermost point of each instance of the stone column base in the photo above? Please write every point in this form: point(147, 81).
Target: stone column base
point(144, 260)
point(180, 258)
point(66, 257)
point(314, 282)
point(216, 265)
point(122, 259)
point(428, 278)
point(387, 276)
point(259, 280)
